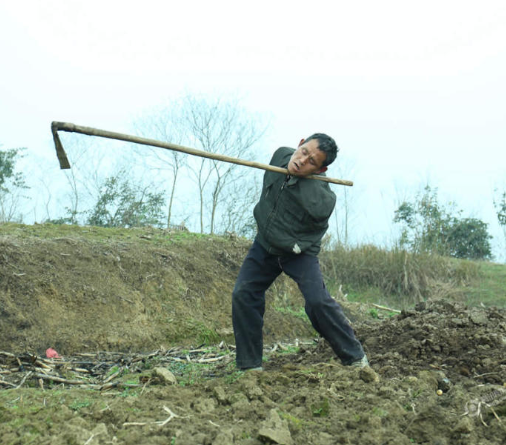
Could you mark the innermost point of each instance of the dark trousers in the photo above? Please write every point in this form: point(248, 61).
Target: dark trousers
point(257, 273)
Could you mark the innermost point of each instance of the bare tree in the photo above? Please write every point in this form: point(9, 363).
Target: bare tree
point(224, 127)
point(164, 124)
point(213, 125)
point(236, 215)
point(345, 212)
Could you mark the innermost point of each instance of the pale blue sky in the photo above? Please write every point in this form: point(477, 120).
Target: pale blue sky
point(411, 91)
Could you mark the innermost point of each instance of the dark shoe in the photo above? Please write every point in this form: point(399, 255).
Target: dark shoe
point(258, 368)
point(360, 363)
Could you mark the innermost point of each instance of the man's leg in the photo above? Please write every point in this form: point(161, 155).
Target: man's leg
point(257, 273)
point(324, 312)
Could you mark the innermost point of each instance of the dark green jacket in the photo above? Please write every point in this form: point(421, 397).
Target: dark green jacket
point(292, 214)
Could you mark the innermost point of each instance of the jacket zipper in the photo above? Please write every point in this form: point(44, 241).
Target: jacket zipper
point(277, 200)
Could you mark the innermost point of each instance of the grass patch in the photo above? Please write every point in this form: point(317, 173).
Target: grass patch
point(396, 277)
point(321, 409)
point(379, 412)
point(289, 349)
point(489, 288)
point(294, 422)
point(299, 313)
point(101, 234)
point(189, 373)
point(76, 405)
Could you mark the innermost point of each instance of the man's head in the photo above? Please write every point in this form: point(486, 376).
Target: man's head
point(313, 155)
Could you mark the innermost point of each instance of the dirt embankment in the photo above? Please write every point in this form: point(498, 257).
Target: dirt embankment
point(93, 289)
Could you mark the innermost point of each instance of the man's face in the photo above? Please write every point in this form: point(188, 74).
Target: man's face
point(307, 159)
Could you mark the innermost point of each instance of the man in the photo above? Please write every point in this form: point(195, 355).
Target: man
point(292, 217)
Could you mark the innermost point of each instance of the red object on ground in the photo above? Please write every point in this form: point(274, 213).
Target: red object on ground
point(51, 353)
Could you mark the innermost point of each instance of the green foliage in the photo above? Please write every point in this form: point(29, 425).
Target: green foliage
point(321, 409)
point(500, 207)
point(288, 349)
point(189, 373)
point(122, 204)
point(76, 405)
point(129, 392)
point(469, 238)
point(207, 336)
point(233, 376)
point(429, 226)
point(379, 412)
point(8, 177)
point(295, 422)
point(12, 184)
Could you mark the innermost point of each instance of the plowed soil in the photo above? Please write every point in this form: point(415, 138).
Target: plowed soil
point(437, 376)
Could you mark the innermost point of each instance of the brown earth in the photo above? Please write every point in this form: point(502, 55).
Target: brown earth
point(437, 377)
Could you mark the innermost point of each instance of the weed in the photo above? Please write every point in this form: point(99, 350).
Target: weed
point(233, 376)
point(150, 363)
point(290, 349)
point(376, 411)
point(76, 405)
point(132, 381)
point(189, 373)
point(297, 313)
point(416, 393)
point(18, 422)
point(374, 313)
point(294, 422)
point(322, 409)
point(113, 370)
point(204, 335)
point(130, 392)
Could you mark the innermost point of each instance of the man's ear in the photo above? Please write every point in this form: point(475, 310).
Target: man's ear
point(301, 142)
point(323, 170)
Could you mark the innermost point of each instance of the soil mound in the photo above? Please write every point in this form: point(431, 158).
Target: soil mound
point(452, 337)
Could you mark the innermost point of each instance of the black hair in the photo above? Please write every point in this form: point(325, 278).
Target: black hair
point(327, 145)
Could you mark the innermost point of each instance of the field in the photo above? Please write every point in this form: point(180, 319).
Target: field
point(141, 319)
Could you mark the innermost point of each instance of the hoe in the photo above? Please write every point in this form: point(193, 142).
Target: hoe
point(64, 162)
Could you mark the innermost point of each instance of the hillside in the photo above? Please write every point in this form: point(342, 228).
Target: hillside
point(123, 307)
point(86, 288)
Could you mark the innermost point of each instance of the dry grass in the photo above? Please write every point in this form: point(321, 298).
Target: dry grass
point(401, 276)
